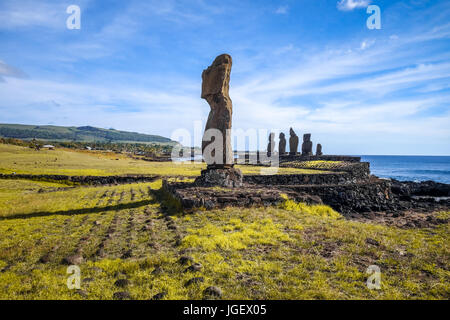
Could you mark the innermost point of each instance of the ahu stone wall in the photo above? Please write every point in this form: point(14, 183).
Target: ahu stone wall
point(82, 180)
point(300, 179)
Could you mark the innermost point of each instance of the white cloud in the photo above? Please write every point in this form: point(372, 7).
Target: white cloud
point(360, 97)
point(352, 94)
point(367, 44)
point(31, 14)
point(356, 96)
point(348, 5)
point(282, 10)
point(10, 71)
point(120, 106)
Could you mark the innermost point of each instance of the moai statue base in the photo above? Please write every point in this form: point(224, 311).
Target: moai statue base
point(224, 176)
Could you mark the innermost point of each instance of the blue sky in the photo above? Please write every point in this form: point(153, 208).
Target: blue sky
point(311, 64)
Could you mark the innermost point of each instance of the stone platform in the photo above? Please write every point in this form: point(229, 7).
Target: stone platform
point(300, 157)
point(358, 170)
point(244, 157)
point(221, 177)
point(362, 196)
point(194, 197)
point(301, 179)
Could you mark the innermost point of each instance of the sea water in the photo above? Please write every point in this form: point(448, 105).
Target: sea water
point(411, 168)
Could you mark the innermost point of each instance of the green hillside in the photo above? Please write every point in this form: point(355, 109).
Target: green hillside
point(81, 134)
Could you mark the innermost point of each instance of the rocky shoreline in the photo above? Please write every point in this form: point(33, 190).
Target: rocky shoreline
point(408, 189)
point(415, 205)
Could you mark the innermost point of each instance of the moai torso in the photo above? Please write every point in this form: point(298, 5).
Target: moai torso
point(282, 144)
point(271, 144)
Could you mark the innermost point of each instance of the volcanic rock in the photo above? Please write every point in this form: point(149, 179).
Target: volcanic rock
point(212, 292)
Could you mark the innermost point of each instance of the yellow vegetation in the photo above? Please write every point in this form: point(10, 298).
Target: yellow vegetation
point(235, 235)
point(69, 162)
point(291, 251)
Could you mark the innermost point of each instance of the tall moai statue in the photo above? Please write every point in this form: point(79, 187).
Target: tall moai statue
point(319, 150)
point(307, 145)
point(282, 144)
point(218, 154)
point(215, 90)
point(271, 144)
point(293, 142)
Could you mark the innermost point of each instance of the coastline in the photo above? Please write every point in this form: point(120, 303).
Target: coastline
point(410, 168)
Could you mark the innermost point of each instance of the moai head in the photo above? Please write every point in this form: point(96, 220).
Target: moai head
point(281, 136)
point(216, 78)
point(271, 137)
point(292, 132)
point(307, 137)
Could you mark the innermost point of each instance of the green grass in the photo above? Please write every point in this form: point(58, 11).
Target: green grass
point(292, 251)
point(68, 162)
point(301, 253)
point(23, 202)
point(20, 186)
point(317, 164)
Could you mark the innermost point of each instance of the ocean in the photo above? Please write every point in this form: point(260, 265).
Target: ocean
point(412, 168)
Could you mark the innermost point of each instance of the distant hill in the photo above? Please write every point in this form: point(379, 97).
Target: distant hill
point(79, 134)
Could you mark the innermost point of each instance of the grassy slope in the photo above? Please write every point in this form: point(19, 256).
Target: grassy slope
point(290, 252)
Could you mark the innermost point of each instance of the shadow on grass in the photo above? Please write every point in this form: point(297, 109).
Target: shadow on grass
point(168, 204)
point(121, 206)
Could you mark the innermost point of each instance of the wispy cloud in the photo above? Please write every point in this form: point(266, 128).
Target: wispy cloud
point(10, 71)
point(33, 14)
point(122, 106)
point(349, 5)
point(138, 68)
point(367, 91)
point(282, 10)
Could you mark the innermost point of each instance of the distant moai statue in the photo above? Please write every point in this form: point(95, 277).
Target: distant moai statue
point(319, 150)
point(307, 145)
point(293, 142)
point(271, 144)
point(282, 144)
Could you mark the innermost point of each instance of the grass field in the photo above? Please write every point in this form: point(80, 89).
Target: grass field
point(68, 162)
point(127, 243)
